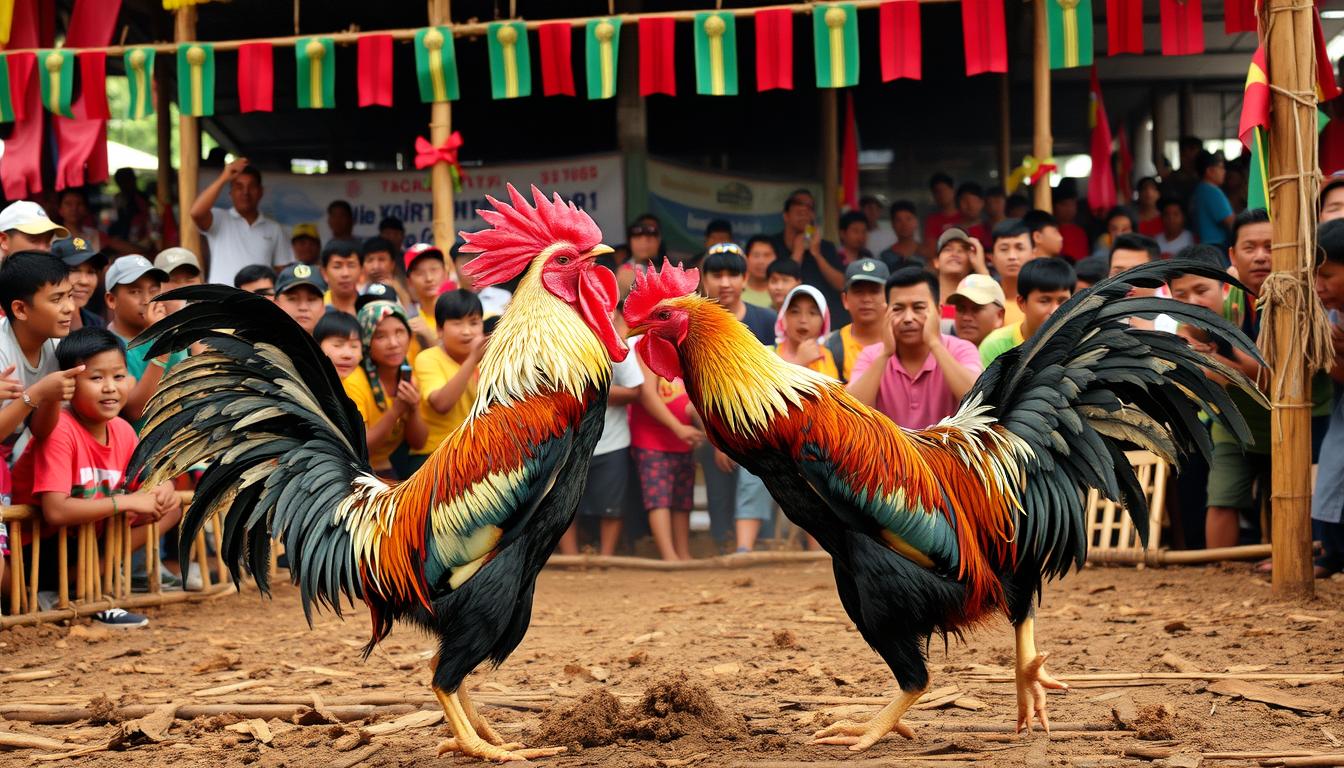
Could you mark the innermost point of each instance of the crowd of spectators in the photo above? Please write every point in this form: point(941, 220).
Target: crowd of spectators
point(905, 310)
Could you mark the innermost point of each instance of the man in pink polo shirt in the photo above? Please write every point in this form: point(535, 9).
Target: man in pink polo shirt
point(916, 375)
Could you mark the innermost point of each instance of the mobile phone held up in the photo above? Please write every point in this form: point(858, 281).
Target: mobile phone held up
point(405, 372)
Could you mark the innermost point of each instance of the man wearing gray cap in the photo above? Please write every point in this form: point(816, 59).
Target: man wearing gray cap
point(865, 299)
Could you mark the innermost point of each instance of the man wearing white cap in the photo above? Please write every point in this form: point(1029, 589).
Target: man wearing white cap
point(183, 268)
point(24, 226)
point(979, 305)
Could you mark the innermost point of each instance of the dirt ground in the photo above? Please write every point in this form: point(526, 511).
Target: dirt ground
point(739, 667)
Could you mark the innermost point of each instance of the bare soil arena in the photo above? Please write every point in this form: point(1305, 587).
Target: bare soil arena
point(709, 667)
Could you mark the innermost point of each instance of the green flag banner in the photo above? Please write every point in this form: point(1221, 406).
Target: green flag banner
point(6, 99)
point(140, 76)
point(1069, 23)
point(316, 83)
point(715, 54)
point(602, 40)
point(1257, 191)
point(435, 64)
point(835, 37)
point(196, 79)
point(56, 70)
point(510, 60)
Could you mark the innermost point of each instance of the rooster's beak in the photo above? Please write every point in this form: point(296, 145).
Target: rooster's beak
point(600, 249)
point(637, 330)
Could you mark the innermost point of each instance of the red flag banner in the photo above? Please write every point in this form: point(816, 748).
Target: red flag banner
point(557, 70)
point(93, 84)
point(21, 82)
point(1182, 27)
point(256, 78)
point(1124, 27)
point(374, 68)
point(849, 156)
point(899, 42)
point(984, 35)
point(1239, 16)
point(657, 59)
point(1101, 182)
point(774, 49)
point(1327, 88)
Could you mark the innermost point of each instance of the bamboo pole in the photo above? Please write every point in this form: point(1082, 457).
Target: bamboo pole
point(440, 128)
point(151, 600)
point(1042, 144)
point(1005, 129)
point(1292, 155)
point(16, 572)
point(830, 163)
point(188, 142)
point(164, 149)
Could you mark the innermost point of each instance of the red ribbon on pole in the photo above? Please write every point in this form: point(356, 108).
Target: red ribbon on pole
point(427, 154)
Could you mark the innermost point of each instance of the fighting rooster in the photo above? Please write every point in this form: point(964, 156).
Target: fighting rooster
point(456, 548)
point(938, 530)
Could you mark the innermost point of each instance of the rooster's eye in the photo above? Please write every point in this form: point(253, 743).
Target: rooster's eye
point(562, 260)
point(664, 315)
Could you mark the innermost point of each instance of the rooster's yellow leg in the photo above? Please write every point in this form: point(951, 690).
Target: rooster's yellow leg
point(482, 727)
point(1032, 679)
point(860, 736)
point(468, 742)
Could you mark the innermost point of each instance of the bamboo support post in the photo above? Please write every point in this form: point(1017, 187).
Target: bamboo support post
point(152, 557)
point(1292, 171)
point(16, 591)
point(34, 568)
point(1042, 144)
point(829, 199)
point(1159, 557)
point(151, 600)
point(440, 128)
point(188, 142)
point(163, 194)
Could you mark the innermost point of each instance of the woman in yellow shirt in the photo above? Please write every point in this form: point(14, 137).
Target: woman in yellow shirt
point(391, 425)
point(803, 320)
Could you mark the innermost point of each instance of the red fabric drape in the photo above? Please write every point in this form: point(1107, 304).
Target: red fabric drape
point(1182, 27)
point(1124, 26)
point(899, 42)
point(985, 36)
point(21, 166)
point(81, 144)
point(849, 155)
point(774, 49)
point(93, 84)
point(375, 71)
point(657, 58)
point(256, 78)
point(1238, 16)
point(557, 69)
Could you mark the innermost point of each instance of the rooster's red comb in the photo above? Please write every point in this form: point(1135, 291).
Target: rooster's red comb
point(653, 286)
point(521, 231)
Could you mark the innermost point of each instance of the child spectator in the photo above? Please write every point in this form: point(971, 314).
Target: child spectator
point(904, 252)
point(854, 236)
point(1210, 212)
point(957, 255)
point(866, 299)
point(971, 207)
point(182, 268)
point(76, 473)
point(604, 495)
point(132, 284)
point(979, 303)
point(1206, 292)
point(298, 291)
point(342, 266)
point(1091, 271)
point(661, 440)
point(35, 292)
point(1149, 213)
point(1118, 222)
point(338, 335)
point(724, 273)
point(1332, 197)
point(428, 275)
point(1327, 503)
point(86, 269)
point(1132, 250)
point(392, 425)
point(1173, 236)
point(803, 322)
point(380, 259)
point(1073, 237)
point(916, 375)
point(1043, 286)
point(494, 300)
point(1046, 239)
point(1012, 250)
point(756, 289)
point(781, 277)
point(256, 278)
point(945, 212)
point(24, 226)
point(446, 373)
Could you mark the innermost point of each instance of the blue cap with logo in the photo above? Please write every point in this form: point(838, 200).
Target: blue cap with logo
point(296, 275)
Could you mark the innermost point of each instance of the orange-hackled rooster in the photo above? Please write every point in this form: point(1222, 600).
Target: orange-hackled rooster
point(939, 529)
point(457, 547)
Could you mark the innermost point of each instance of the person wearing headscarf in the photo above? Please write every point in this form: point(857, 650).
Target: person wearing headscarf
point(385, 391)
point(804, 320)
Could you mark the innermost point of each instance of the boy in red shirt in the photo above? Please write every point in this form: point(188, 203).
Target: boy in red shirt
point(76, 474)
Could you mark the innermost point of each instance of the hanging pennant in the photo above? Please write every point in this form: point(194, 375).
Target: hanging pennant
point(374, 67)
point(140, 77)
point(715, 54)
point(984, 35)
point(196, 79)
point(510, 60)
point(256, 77)
point(899, 40)
point(1182, 27)
point(6, 100)
point(1239, 16)
point(1124, 27)
point(1069, 27)
point(774, 49)
point(316, 72)
point(57, 78)
point(435, 64)
point(93, 84)
point(557, 73)
point(602, 39)
point(835, 38)
point(657, 56)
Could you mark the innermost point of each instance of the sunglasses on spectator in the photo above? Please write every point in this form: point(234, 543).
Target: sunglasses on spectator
point(638, 231)
point(725, 248)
